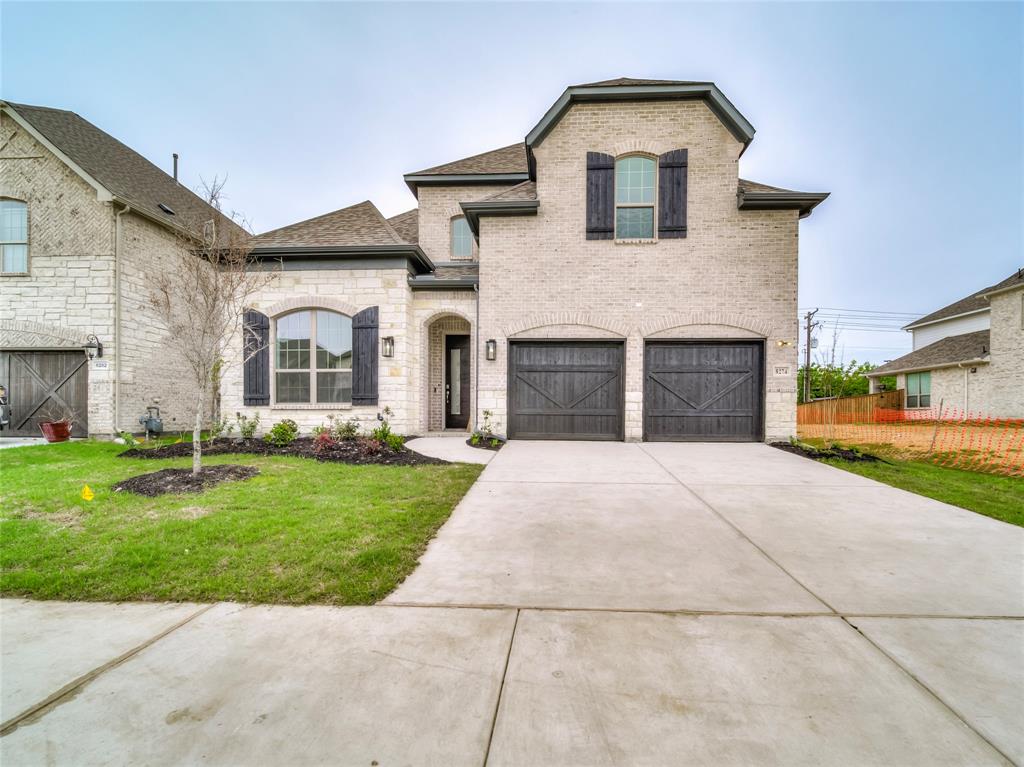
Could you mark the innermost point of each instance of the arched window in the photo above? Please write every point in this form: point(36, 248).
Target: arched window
point(634, 197)
point(462, 238)
point(313, 357)
point(13, 236)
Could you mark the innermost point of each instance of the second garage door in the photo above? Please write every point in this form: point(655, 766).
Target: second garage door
point(565, 390)
point(703, 391)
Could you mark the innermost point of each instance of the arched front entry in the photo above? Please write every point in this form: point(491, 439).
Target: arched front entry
point(449, 394)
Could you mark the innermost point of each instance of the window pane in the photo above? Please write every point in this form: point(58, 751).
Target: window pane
point(634, 180)
point(15, 258)
point(13, 221)
point(462, 238)
point(925, 383)
point(333, 341)
point(293, 343)
point(634, 223)
point(455, 384)
point(912, 383)
point(334, 386)
point(293, 387)
point(911, 400)
point(926, 400)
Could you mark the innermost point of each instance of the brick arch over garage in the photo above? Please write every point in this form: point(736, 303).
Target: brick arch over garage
point(311, 302)
point(26, 334)
point(728, 319)
point(585, 319)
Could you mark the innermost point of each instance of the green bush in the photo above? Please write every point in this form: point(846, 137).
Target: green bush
point(282, 433)
point(247, 426)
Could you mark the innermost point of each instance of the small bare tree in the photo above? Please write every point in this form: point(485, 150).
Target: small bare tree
point(202, 297)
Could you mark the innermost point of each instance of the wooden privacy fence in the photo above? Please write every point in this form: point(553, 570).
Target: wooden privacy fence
point(858, 409)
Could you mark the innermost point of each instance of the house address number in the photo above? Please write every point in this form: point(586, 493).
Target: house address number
point(782, 370)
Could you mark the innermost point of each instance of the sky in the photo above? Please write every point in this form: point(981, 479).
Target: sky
point(911, 115)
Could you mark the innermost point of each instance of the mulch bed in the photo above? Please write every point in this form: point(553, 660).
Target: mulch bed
point(183, 480)
point(818, 454)
point(485, 444)
point(360, 451)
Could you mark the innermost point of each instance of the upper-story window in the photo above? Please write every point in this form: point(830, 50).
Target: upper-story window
point(634, 197)
point(13, 236)
point(462, 238)
point(313, 357)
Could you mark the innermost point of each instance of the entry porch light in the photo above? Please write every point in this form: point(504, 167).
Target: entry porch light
point(93, 347)
point(387, 346)
point(492, 349)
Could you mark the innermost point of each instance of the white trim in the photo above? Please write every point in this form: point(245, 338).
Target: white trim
point(925, 368)
point(102, 193)
point(945, 319)
point(1003, 290)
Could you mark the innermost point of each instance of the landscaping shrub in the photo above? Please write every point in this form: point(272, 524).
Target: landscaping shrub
point(282, 433)
point(324, 442)
point(247, 426)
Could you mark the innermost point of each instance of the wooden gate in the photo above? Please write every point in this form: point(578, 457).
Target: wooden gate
point(703, 391)
point(565, 390)
point(43, 385)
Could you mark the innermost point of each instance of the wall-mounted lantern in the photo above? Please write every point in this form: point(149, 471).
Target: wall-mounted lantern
point(783, 344)
point(492, 349)
point(93, 347)
point(387, 346)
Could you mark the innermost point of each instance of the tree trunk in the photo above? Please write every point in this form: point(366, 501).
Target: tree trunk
point(197, 433)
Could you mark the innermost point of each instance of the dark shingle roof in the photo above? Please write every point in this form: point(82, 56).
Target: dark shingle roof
point(119, 168)
point(508, 159)
point(630, 81)
point(407, 225)
point(946, 351)
point(356, 225)
point(527, 190)
point(972, 303)
point(754, 186)
point(457, 271)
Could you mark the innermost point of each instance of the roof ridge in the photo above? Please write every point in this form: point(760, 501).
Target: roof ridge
point(387, 225)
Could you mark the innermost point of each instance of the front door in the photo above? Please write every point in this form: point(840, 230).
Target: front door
point(456, 382)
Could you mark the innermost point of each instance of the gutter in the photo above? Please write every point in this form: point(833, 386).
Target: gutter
point(971, 313)
point(429, 282)
point(878, 373)
point(413, 252)
point(476, 210)
point(805, 202)
point(415, 180)
point(117, 316)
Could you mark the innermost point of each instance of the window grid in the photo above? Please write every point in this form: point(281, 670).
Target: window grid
point(635, 192)
point(462, 238)
point(13, 236)
point(326, 376)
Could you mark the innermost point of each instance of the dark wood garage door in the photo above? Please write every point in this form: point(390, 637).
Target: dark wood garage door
point(703, 391)
point(44, 384)
point(565, 390)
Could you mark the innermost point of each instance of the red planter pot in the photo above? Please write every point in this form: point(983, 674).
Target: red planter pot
point(59, 431)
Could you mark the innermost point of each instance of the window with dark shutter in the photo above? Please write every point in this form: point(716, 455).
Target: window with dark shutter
point(672, 194)
point(600, 196)
point(256, 365)
point(364, 356)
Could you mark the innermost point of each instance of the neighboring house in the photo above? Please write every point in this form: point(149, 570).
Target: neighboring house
point(610, 277)
point(968, 357)
point(85, 224)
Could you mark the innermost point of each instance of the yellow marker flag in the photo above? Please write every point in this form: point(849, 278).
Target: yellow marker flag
point(87, 493)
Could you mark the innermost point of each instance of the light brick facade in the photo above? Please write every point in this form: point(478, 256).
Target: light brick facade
point(69, 291)
point(733, 276)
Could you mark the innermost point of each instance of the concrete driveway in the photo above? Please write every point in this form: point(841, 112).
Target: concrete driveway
point(586, 604)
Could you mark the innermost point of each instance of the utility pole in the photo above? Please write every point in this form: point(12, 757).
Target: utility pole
point(809, 325)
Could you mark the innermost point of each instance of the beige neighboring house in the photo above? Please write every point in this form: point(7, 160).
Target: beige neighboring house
point(85, 224)
point(968, 357)
point(609, 277)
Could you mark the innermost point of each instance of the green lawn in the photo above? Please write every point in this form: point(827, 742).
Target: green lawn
point(988, 494)
point(300, 532)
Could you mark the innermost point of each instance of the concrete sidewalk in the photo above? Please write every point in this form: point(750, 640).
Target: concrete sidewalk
point(586, 604)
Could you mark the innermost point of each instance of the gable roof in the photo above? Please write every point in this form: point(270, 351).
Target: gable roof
point(125, 174)
point(407, 225)
point(946, 352)
point(508, 159)
point(975, 302)
point(357, 225)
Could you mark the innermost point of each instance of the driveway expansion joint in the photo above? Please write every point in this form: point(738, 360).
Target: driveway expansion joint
point(501, 689)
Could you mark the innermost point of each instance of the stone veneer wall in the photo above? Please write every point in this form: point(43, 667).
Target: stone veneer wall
point(733, 276)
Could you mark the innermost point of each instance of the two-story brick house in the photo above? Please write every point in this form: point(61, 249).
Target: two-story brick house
point(610, 277)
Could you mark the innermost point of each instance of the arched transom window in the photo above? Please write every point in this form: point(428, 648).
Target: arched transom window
point(13, 236)
point(634, 197)
point(462, 238)
point(313, 357)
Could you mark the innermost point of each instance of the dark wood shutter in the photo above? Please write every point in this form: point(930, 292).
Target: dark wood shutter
point(364, 356)
point(672, 194)
point(600, 196)
point(256, 368)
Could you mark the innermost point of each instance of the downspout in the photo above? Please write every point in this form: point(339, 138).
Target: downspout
point(117, 317)
point(476, 359)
